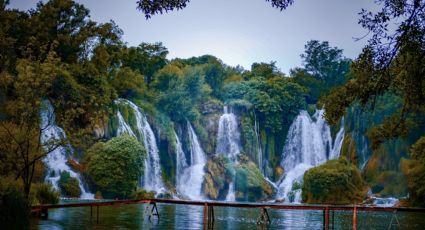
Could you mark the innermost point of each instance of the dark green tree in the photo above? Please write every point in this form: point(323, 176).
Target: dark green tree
point(116, 166)
point(146, 58)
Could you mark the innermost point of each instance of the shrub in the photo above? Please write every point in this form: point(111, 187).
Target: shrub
point(14, 208)
point(335, 182)
point(143, 194)
point(69, 186)
point(115, 166)
point(43, 194)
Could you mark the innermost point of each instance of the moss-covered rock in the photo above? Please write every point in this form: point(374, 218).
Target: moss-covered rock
point(335, 182)
point(219, 173)
point(68, 185)
point(250, 184)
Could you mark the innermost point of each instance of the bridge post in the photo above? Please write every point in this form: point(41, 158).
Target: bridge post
point(44, 213)
point(97, 214)
point(208, 216)
point(354, 218)
point(326, 218)
point(333, 219)
point(264, 218)
point(152, 211)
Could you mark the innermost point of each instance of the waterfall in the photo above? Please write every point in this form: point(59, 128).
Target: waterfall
point(152, 178)
point(308, 144)
point(56, 160)
point(228, 136)
point(228, 143)
point(259, 149)
point(123, 127)
point(190, 177)
point(181, 165)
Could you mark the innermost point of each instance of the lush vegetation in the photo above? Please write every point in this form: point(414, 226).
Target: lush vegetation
point(335, 182)
point(115, 167)
point(68, 185)
point(57, 53)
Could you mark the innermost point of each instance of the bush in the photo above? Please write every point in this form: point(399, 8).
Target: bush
point(43, 194)
point(415, 172)
point(335, 182)
point(115, 166)
point(14, 208)
point(143, 194)
point(69, 186)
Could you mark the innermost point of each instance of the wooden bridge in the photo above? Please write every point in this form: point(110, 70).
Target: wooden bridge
point(263, 219)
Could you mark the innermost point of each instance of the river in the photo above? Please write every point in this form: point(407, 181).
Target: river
point(191, 217)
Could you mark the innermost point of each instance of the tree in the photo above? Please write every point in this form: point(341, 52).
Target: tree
point(150, 8)
point(116, 166)
point(324, 67)
point(392, 62)
point(415, 172)
point(20, 130)
point(146, 59)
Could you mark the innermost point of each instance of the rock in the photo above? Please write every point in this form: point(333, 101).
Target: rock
point(75, 165)
point(211, 106)
point(218, 175)
point(250, 184)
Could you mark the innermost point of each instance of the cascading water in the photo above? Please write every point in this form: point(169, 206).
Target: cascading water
point(152, 178)
point(190, 177)
point(123, 127)
point(228, 143)
point(308, 144)
point(56, 160)
point(228, 136)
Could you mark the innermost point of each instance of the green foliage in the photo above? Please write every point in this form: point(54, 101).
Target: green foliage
point(415, 173)
point(324, 68)
point(146, 59)
point(68, 185)
point(114, 167)
point(150, 8)
point(335, 182)
point(143, 194)
point(42, 193)
point(14, 208)
point(182, 91)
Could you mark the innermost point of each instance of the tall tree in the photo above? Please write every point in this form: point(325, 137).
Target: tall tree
point(392, 62)
point(147, 59)
point(20, 128)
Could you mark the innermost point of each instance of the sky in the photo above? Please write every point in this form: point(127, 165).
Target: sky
point(239, 32)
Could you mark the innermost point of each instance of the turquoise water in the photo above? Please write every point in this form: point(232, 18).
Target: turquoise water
point(191, 217)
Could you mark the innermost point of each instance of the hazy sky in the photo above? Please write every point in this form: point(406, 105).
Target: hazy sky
point(237, 31)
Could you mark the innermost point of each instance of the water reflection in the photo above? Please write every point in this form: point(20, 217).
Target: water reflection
point(191, 217)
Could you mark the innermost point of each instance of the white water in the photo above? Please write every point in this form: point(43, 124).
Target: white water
point(190, 177)
point(152, 178)
point(231, 194)
point(385, 202)
point(56, 160)
point(228, 143)
point(228, 136)
point(123, 127)
point(259, 149)
point(308, 144)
